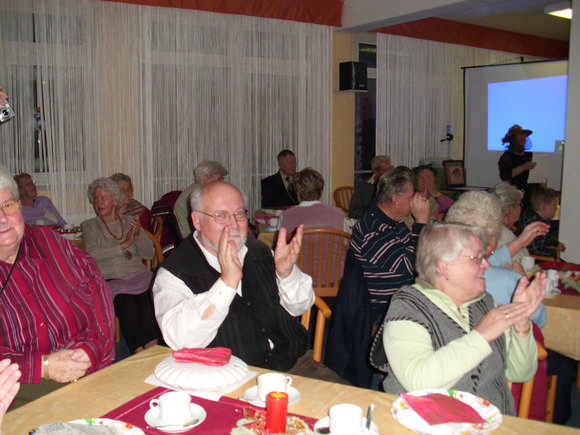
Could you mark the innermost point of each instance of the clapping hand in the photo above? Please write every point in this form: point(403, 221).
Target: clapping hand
point(132, 234)
point(286, 254)
point(135, 227)
point(533, 230)
point(229, 260)
point(525, 301)
point(9, 385)
point(533, 294)
point(420, 208)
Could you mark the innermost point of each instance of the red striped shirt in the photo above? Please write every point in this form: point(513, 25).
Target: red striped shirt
point(55, 299)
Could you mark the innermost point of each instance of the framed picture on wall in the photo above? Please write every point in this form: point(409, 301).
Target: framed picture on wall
point(454, 173)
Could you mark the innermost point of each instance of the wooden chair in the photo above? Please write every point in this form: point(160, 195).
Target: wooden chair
point(157, 226)
point(152, 265)
point(324, 313)
point(556, 256)
point(342, 197)
point(528, 386)
point(322, 257)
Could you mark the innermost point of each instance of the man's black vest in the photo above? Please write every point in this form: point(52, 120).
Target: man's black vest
point(254, 318)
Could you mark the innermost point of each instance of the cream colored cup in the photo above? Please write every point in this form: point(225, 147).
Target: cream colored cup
point(528, 262)
point(269, 382)
point(552, 275)
point(174, 407)
point(345, 419)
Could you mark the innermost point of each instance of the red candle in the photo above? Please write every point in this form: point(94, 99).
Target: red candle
point(276, 408)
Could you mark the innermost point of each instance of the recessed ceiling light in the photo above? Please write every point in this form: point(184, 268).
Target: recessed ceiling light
point(560, 9)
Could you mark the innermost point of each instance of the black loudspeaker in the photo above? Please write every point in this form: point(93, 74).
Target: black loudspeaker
point(353, 76)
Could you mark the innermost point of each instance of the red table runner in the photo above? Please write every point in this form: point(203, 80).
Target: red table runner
point(221, 416)
point(562, 266)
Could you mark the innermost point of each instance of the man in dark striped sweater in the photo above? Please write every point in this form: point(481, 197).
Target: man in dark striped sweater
point(383, 244)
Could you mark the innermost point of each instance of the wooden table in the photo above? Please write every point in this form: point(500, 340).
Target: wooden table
point(562, 330)
point(101, 392)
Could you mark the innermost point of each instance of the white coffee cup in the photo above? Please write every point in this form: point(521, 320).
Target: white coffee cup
point(552, 275)
point(269, 382)
point(174, 407)
point(345, 419)
point(528, 262)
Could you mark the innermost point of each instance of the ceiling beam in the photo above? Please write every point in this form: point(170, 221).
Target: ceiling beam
point(366, 15)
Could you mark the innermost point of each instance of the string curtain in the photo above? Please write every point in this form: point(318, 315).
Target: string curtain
point(105, 87)
point(420, 93)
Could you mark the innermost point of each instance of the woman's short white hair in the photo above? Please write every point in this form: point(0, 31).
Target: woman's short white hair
point(509, 195)
point(477, 208)
point(106, 184)
point(7, 182)
point(444, 242)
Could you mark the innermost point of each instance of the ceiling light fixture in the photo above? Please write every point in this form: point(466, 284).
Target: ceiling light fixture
point(560, 9)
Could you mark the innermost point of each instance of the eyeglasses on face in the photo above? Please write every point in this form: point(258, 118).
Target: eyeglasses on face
point(479, 259)
point(10, 207)
point(223, 217)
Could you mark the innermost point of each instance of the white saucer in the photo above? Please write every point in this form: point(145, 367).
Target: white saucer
point(153, 419)
point(251, 395)
point(324, 422)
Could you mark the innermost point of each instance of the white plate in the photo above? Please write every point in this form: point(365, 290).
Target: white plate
point(251, 395)
point(115, 426)
point(324, 422)
point(153, 418)
point(405, 415)
point(187, 376)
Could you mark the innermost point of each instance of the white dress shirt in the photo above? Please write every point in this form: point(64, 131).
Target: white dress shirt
point(179, 311)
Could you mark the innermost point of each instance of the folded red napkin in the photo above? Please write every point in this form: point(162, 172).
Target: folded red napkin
point(438, 409)
point(215, 357)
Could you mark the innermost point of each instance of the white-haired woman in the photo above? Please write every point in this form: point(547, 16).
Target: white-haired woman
point(445, 330)
point(119, 247)
point(484, 210)
point(510, 199)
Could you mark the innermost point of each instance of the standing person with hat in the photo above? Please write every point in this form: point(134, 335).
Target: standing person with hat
point(515, 163)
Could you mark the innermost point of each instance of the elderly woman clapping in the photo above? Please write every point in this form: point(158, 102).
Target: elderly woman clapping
point(446, 332)
point(483, 209)
point(119, 247)
point(56, 314)
point(510, 198)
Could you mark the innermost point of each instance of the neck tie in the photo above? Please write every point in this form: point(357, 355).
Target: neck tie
point(291, 190)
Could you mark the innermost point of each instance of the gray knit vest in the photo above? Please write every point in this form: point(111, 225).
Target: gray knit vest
point(487, 380)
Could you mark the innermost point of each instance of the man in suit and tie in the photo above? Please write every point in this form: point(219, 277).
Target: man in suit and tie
point(278, 189)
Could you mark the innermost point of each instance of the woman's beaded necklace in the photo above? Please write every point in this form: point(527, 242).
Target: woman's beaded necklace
point(109, 231)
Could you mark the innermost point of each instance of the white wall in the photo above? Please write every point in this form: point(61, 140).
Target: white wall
point(570, 214)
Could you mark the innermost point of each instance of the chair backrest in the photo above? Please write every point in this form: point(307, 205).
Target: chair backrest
point(322, 257)
point(158, 257)
point(342, 197)
point(324, 313)
point(163, 209)
point(525, 398)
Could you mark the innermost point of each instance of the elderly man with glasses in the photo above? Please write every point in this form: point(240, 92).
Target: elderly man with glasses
point(221, 289)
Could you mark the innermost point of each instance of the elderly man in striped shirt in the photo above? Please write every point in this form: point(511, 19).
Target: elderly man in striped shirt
point(382, 242)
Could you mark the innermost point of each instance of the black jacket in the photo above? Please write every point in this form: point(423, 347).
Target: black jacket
point(274, 193)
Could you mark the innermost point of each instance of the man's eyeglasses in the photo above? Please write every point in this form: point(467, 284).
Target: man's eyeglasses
point(479, 259)
point(223, 217)
point(10, 207)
